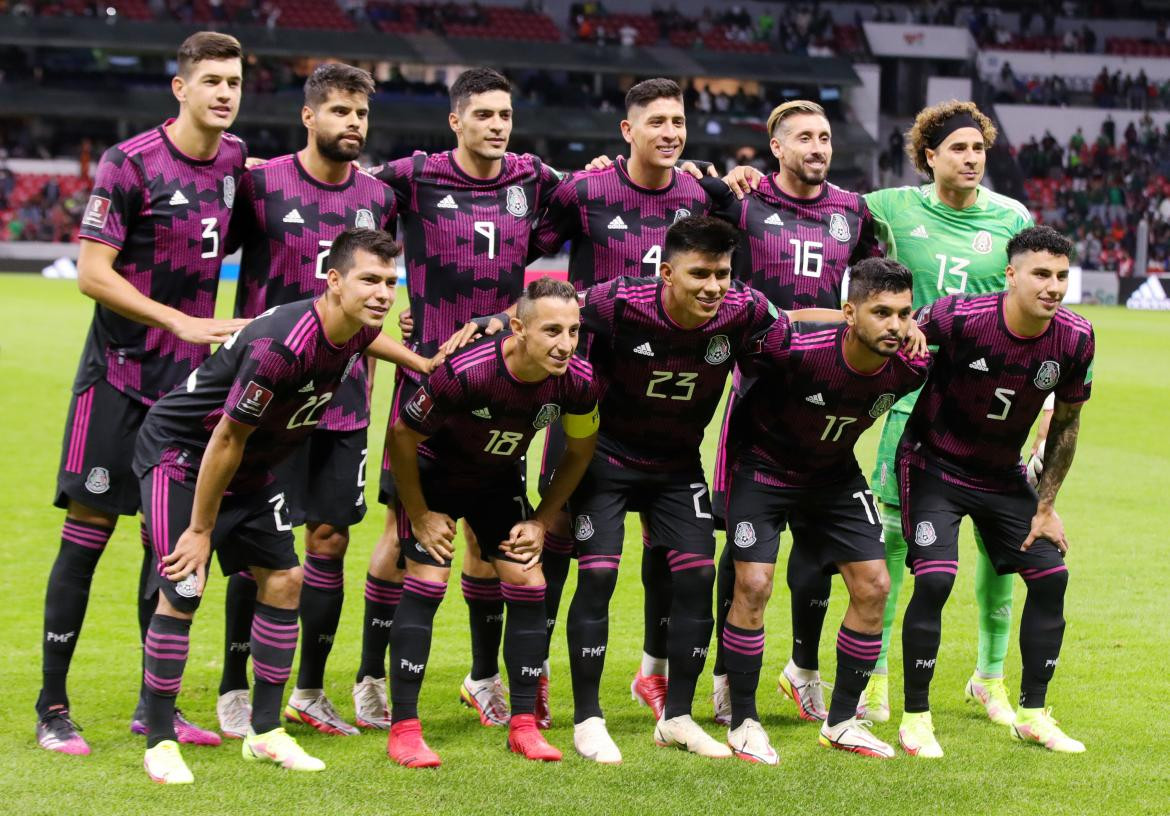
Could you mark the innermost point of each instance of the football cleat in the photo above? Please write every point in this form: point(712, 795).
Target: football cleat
point(311, 707)
point(543, 712)
point(592, 741)
point(407, 747)
point(234, 712)
point(650, 690)
point(279, 746)
point(525, 739)
point(721, 700)
point(164, 764)
point(369, 704)
point(187, 732)
point(57, 732)
point(808, 694)
point(750, 742)
point(991, 693)
point(1037, 725)
point(853, 735)
point(916, 734)
point(683, 732)
point(875, 700)
point(489, 698)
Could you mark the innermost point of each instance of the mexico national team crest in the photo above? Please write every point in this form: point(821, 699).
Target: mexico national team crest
point(839, 228)
point(745, 534)
point(718, 350)
point(98, 480)
point(229, 191)
point(881, 405)
point(364, 219)
point(548, 414)
point(188, 586)
point(924, 534)
point(517, 201)
point(1048, 375)
point(583, 528)
point(681, 213)
point(982, 242)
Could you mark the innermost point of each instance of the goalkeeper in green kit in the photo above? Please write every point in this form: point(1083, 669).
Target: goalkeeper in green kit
point(952, 233)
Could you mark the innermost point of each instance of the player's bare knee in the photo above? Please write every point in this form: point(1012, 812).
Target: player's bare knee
point(164, 607)
point(512, 573)
point(280, 588)
point(754, 586)
point(88, 515)
point(326, 540)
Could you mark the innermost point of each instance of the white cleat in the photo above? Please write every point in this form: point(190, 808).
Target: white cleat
point(592, 741)
point(853, 735)
point(750, 742)
point(683, 732)
point(234, 711)
point(488, 698)
point(369, 704)
point(164, 764)
point(1037, 725)
point(806, 690)
point(312, 708)
point(721, 700)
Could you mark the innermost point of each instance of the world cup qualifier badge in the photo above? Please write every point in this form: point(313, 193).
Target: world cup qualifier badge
point(924, 534)
point(1048, 375)
point(517, 201)
point(718, 350)
point(839, 227)
point(745, 534)
point(583, 528)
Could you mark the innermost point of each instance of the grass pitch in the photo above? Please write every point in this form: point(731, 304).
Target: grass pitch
point(1108, 691)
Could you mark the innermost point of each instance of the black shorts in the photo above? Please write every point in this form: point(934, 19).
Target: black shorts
point(98, 451)
point(491, 510)
point(833, 524)
point(404, 390)
point(252, 530)
point(324, 481)
point(933, 507)
point(676, 504)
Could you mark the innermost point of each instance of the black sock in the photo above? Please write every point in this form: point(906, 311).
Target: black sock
point(146, 606)
point(239, 605)
point(724, 589)
point(274, 640)
point(524, 643)
point(744, 655)
point(555, 562)
point(1041, 632)
point(922, 629)
point(809, 588)
point(410, 644)
point(167, 644)
point(382, 599)
point(588, 631)
point(66, 599)
point(321, 598)
point(485, 611)
point(857, 654)
point(656, 601)
point(693, 581)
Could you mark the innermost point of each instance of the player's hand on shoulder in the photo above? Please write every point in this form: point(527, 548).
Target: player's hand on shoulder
point(1046, 524)
point(434, 362)
point(253, 161)
point(190, 555)
point(435, 532)
point(692, 170)
point(743, 179)
point(525, 542)
point(599, 163)
point(405, 324)
point(204, 330)
point(915, 344)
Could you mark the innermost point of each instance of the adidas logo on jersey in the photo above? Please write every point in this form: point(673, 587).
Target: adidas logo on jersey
point(617, 223)
point(919, 232)
point(294, 217)
point(979, 365)
point(306, 389)
point(644, 350)
point(774, 220)
point(178, 198)
point(448, 203)
point(482, 413)
point(815, 399)
point(1150, 295)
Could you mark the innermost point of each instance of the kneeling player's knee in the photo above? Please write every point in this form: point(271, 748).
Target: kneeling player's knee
point(327, 540)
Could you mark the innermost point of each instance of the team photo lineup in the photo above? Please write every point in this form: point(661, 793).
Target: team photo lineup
point(776, 310)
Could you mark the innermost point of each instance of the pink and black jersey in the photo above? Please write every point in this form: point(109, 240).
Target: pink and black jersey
point(466, 240)
point(278, 374)
point(480, 419)
point(660, 382)
point(796, 250)
point(617, 228)
point(800, 420)
point(285, 224)
point(167, 214)
point(988, 386)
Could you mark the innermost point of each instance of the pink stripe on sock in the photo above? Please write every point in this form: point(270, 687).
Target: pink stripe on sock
point(947, 570)
point(1032, 575)
point(523, 594)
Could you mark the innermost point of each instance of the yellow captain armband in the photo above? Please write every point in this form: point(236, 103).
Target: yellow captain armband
point(581, 426)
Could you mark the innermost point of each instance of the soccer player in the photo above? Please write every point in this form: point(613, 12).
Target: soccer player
point(999, 357)
point(467, 216)
point(152, 242)
point(828, 384)
point(455, 448)
point(801, 233)
point(951, 233)
point(616, 219)
point(204, 460)
point(291, 209)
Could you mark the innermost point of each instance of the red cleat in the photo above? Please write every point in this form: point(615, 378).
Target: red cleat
point(525, 739)
point(407, 747)
point(543, 713)
point(650, 690)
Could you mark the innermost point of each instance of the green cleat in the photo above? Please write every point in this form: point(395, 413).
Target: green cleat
point(875, 700)
point(164, 764)
point(916, 733)
point(1037, 725)
point(279, 747)
point(991, 693)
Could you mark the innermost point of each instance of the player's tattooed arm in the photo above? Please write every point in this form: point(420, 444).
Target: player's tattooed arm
point(387, 348)
point(434, 531)
point(476, 328)
point(1060, 447)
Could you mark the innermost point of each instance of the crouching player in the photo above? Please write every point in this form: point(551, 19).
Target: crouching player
point(454, 451)
point(204, 461)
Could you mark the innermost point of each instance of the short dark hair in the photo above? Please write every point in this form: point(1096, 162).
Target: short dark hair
point(336, 76)
point(378, 243)
point(207, 45)
point(873, 276)
point(1039, 239)
point(700, 233)
point(476, 81)
point(648, 90)
point(543, 287)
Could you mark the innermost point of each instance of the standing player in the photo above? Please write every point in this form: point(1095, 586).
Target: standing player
point(828, 383)
point(999, 357)
point(152, 243)
point(801, 233)
point(951, 233)
point(455, 448)
point(467, 217)
point(617, 218)
point(291, 209)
